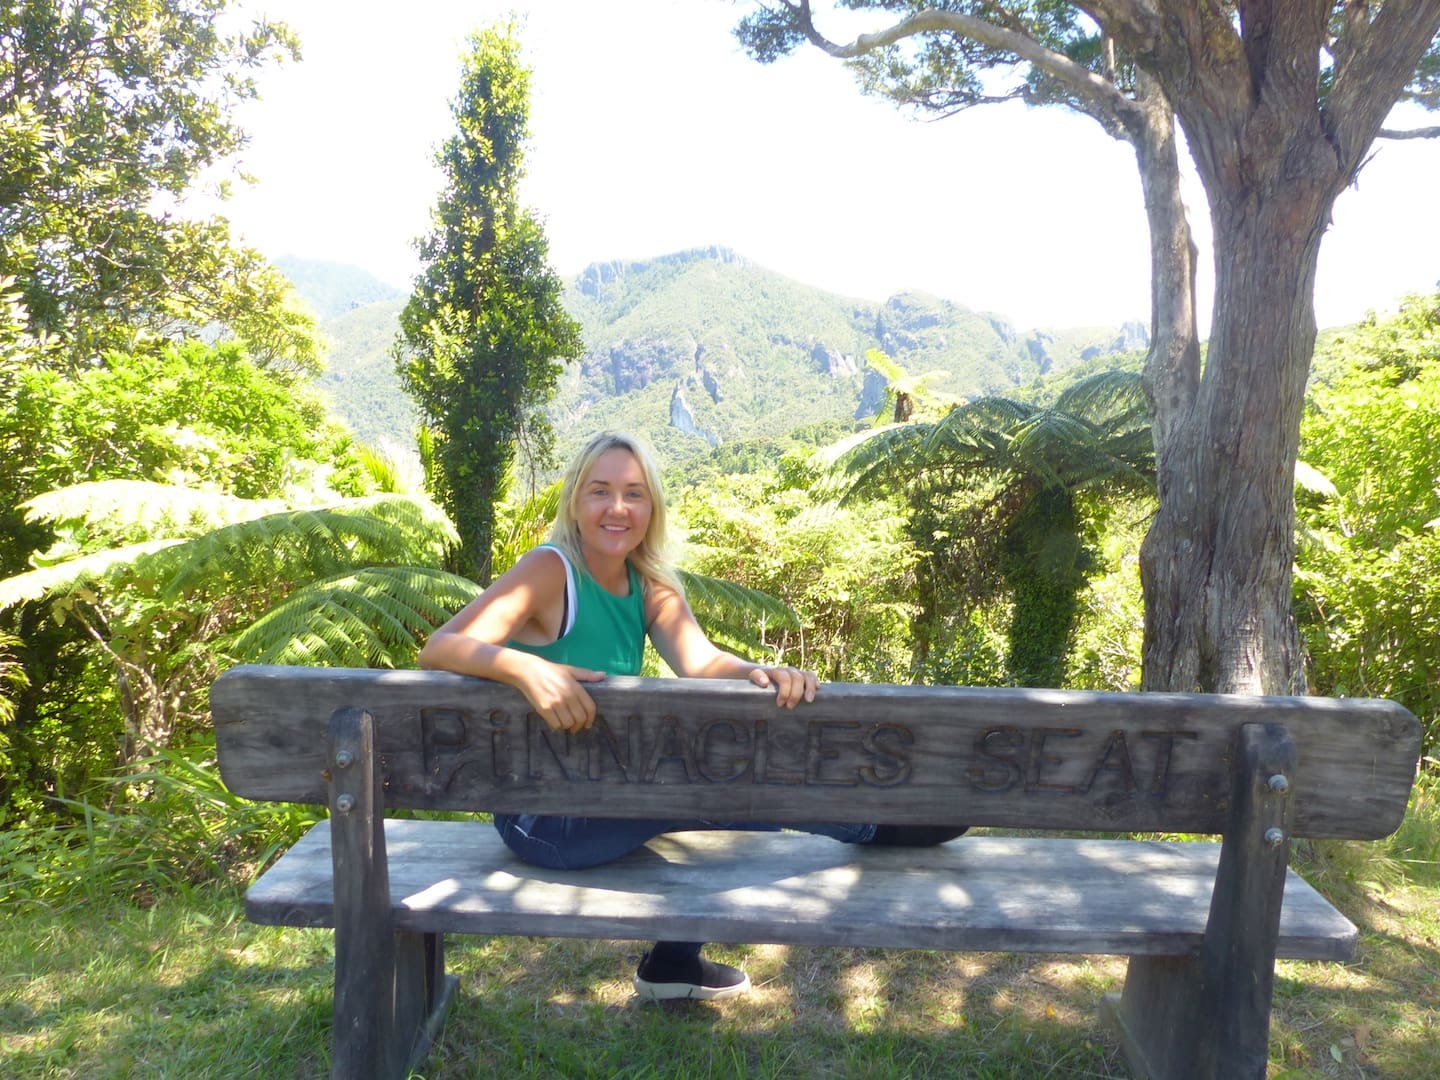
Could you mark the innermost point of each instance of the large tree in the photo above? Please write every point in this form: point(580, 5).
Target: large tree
point(484, 331)
point(109, 114)
point(1280, 102)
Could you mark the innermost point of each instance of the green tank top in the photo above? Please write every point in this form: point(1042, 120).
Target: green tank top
point(602, 631)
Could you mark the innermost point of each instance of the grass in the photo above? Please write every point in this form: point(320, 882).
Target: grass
point(177, 984)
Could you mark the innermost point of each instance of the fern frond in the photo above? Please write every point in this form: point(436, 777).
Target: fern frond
point(1111, 399)
point(130, 511)
point(735, 611)
point(882, 363)
point(880, 462)
point(386, 530)
point(827, 457)
point(1312, 480)
point(65, 577)
point(376, 617)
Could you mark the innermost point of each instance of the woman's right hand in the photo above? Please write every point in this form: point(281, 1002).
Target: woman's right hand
point(555, 693)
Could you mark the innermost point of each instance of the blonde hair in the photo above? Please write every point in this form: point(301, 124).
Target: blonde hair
point(649, 558)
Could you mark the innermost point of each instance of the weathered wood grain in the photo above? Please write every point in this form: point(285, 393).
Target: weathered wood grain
point(979, 893)
point(721, 750)
point(1237, 961)
point(366, 1042)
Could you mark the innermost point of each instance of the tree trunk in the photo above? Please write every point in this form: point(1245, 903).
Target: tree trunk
point(1216, 564)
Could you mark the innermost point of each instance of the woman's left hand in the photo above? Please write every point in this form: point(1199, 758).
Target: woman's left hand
point(792, 685)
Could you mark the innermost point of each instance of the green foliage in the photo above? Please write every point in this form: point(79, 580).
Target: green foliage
point(114, 462)
point(1106, 653)
point(12, 680)
point(167, 826)
point(161, 596)
point(521, 524)
point(1368, 579)
point(842, 571)
point(990, 493)
point(108, 114)
point(484, 327)
point(185, 414)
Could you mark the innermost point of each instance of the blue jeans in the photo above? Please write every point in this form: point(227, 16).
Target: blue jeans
point(578, 843)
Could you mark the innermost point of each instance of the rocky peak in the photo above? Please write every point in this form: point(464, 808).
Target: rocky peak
point(834, 364)
point(682, 417)
point(602, 280)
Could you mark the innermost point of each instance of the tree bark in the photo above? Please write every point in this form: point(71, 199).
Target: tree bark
point(1216, 564)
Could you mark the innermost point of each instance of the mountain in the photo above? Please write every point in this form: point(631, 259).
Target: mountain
point(703, 348)
point(360, 377)
point(332, 288)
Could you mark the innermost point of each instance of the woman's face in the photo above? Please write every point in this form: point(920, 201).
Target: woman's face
point(614, 505)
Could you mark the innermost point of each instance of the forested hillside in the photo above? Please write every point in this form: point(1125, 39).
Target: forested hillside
point(704, 348)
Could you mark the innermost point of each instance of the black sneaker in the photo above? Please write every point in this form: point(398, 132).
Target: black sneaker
point(916, 835)
point(694, 978)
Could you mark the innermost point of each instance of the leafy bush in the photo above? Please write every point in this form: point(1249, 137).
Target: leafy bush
point(1368, 575)
point(843, 572)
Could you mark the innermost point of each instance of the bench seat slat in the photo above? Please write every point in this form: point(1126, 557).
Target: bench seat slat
point(980, 893)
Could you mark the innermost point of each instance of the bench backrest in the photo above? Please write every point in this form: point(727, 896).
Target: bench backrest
point(721, 750)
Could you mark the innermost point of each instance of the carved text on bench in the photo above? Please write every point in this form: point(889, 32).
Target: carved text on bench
point(825, 752)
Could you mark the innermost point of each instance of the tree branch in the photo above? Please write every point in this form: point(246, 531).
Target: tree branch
point(1416, 133)
point(1136, 22)
point(1376, 66)
point(1085, 84)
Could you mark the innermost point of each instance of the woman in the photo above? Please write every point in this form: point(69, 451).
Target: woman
point(579, 608)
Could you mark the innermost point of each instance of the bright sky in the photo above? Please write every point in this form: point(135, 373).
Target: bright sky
point(651, 132)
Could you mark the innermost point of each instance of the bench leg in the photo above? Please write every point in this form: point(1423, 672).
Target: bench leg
point(423, 993)
point(1209, 1016)
point(391, 990)
point(1154, 1015)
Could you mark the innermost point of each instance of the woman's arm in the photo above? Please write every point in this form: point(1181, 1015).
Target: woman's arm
point(522, 604)
point(682, 643)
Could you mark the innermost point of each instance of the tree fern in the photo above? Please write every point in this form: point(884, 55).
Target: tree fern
point(1021, 465)
point(904, 393)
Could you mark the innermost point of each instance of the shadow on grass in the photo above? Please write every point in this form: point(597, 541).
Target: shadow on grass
point(566, 1009)
point(161, 993)
point(1377, 1015)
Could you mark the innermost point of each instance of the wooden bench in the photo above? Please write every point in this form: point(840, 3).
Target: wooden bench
point(1202, 923)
